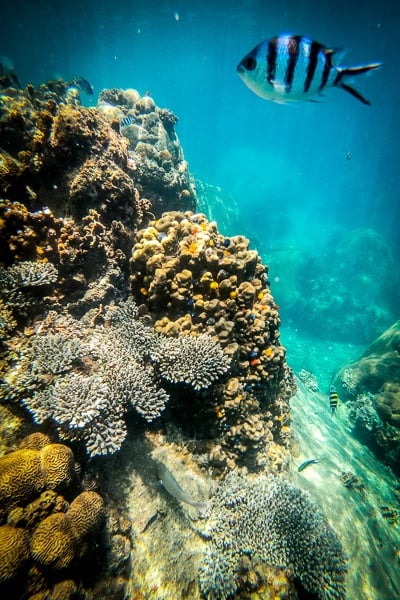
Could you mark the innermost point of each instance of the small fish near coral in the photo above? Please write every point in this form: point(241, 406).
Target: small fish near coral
point(333, 400)
point(289, 68)
point(83, 85)
point(174, 489)
point(306, 463)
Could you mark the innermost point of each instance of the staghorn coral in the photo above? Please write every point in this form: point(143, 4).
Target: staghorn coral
point(14, 551)
point(270, 521)
point(194, 360)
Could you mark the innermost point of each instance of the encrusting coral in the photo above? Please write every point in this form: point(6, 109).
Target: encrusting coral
point(271, 521)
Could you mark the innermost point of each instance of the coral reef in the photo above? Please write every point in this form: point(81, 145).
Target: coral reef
point(193, 280)
point(371, 386)
point(270, 520)
point(128, 361)
point(155, 155)
point(42, 531)
point(70, 193)
point(200, 348)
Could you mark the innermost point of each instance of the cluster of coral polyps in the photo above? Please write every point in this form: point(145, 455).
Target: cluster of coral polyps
point(193, 279)
point(41, 532)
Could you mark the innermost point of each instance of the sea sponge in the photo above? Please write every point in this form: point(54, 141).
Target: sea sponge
point(52, 542)
point(14, 551)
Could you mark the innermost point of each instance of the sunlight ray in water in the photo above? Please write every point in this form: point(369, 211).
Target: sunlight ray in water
point(372, 544)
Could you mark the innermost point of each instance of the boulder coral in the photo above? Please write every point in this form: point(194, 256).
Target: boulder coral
point(193, 280)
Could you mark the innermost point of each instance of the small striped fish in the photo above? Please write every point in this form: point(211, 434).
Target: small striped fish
point(333, 399)
point(287, 68)
point(126, 121)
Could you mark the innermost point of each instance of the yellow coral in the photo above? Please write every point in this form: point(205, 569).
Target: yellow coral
point(86, 513)
point(35, 441)
point(214, 285)
point(27, 472)
point(14, 551)
point(57, 462)
point(52, 543)
point(21, 478)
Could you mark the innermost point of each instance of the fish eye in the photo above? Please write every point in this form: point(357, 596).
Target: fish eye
point(249, 63)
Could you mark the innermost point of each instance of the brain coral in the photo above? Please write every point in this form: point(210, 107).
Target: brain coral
point(270, 520)
point(52, 542)
point(86, 513)
point(21, 478)
point(14, 551)
point(25, 473)
point(60, 537)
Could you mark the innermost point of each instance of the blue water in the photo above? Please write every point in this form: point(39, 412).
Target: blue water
point(288, 167)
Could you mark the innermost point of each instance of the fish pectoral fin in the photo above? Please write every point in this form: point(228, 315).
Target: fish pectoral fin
point(279, 86)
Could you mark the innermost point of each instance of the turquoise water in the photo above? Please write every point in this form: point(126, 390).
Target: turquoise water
point(315, 186)
point(308, 179)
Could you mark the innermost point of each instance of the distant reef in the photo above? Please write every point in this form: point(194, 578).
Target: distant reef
point(350, 292)
point(370, 386)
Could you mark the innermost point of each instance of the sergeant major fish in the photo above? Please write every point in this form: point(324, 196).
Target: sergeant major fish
point(333, 399)
point(288, 68)
point(173, 488)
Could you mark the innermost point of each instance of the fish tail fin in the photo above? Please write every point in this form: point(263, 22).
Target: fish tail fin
point(350, 72)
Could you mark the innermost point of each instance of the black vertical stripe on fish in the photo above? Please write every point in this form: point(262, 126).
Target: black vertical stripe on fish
point(271, 59)
point(292, 47)
point(312, 64)
point(326, 71)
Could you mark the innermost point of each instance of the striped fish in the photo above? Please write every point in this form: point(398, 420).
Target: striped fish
point(126, 121)
point(289, 68)
point(333, 399)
